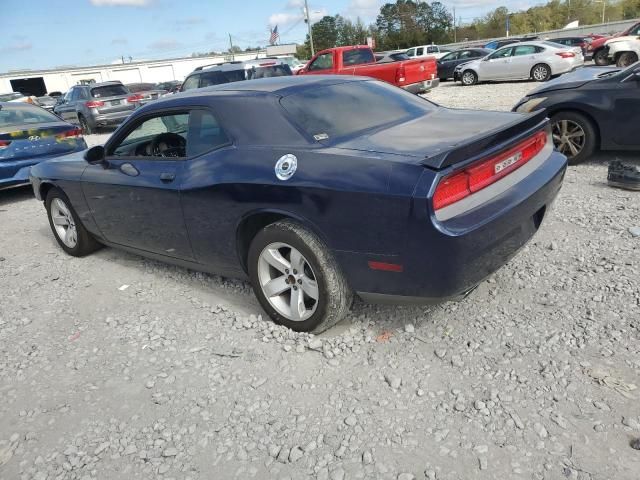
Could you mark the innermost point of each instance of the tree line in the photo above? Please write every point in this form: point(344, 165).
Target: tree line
point(405, 23)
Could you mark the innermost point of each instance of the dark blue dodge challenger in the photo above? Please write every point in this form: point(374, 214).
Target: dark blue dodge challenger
point(315, 189)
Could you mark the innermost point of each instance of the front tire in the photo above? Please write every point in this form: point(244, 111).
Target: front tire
point(574, 136)
point(541, 72)
point(627, 58)
point(601, 58)
point(67, 227)
point(296, 279)
point(469, 77)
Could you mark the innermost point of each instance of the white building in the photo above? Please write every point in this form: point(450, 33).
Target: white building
point(40, 82)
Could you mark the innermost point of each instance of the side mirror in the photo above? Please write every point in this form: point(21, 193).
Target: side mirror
point(95, 155)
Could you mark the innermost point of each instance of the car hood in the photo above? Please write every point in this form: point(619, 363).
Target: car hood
point(622, 39)
point(574, 79)
point(439, 138)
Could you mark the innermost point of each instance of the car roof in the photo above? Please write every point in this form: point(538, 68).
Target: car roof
point(101, 84)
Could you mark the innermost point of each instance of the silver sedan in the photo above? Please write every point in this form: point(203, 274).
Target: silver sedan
point(521, 61)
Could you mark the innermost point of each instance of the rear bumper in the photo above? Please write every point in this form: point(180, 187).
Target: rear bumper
point(444, 260)
point(422, 87)
point(114, 118)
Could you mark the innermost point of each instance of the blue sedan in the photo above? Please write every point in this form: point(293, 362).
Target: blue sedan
point(29, 135)
point(315, 189)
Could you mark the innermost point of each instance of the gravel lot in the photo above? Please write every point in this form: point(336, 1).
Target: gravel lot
point(117, 367)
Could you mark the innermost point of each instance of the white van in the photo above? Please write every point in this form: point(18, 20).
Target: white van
point(427, 51)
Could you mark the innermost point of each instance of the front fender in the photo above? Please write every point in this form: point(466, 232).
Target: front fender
point(616, 48)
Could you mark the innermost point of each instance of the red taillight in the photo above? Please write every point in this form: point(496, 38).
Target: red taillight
point(75, 133)
point(136, 97)
point(94, 103)
point(400, 74)
point(5, 143)
point(477, 176)
point(566, 54)
point(385, 267)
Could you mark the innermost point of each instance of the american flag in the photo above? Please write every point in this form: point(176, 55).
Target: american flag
point(274, 36)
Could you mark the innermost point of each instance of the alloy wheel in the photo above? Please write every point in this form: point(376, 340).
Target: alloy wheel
point(568, 137)
point(540, 73)
point(468, 78)
point(288, 281)
point(64, 223)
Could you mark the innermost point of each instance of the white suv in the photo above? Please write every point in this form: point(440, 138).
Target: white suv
point(624, 51)
point(427, 51)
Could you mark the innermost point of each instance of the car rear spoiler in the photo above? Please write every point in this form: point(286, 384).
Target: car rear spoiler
point(487, 144)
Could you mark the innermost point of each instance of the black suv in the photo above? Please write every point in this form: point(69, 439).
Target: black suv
point(234, 72)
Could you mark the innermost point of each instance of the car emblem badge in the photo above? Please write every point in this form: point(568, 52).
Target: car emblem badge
point(286, 166)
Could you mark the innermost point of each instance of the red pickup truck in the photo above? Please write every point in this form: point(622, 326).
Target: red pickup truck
point(415, 76)
point(598, 50)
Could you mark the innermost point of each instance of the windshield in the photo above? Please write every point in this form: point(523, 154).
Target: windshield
point(345, 109)
point(24, 114)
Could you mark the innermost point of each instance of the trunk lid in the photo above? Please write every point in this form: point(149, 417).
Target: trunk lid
point(29, 141)
point(448, 136)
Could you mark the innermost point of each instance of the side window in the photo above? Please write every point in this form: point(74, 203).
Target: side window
point(156, 137)
point(75, 94)
point(419, 52)
point(466, 54)
point(204, 133)
point(411, 52)
point(450, 56)
point(502, 53)
point(357, 57)
point(635, 31)
point(83, 94)
point(432, 50)
point(68, 95)
point(322, 62)
point(191, 83)
point(524, 50)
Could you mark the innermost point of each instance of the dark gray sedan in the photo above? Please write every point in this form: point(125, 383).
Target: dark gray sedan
point(448, 63)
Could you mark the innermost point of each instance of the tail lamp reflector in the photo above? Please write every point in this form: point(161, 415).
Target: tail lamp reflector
point(94, 103)
point(479, 175)
point(566, 54)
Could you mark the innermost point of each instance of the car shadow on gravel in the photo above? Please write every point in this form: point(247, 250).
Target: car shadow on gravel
point(16, 194)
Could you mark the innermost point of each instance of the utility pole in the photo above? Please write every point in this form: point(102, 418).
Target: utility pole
point(231, 49)
point(306, 13)
point(455, 33)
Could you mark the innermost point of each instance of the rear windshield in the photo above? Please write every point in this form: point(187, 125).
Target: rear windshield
point(140, 87)
point(341, 110)
point(11, 116)
point(10, 96)
point(109, 91)
point(268, 72)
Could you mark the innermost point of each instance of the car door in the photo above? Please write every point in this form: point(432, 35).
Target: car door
point(134, 196)
point(65, 107)
point(626, 110)
point(523, 59)
point(496, 66)
point(446, 65)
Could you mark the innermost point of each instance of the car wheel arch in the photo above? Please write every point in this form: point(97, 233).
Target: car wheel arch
point(45, 187)
point(252, 222)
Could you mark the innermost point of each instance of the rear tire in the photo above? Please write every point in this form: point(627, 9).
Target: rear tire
point(67, 227)
point(469, 77)
point(86, 128)
point(273, 256)
point(601, 58)
point(627, 58)
point(541, 72)
point(565, 124)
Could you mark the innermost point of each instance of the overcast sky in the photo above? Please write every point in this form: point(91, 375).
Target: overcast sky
point(53, 33)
